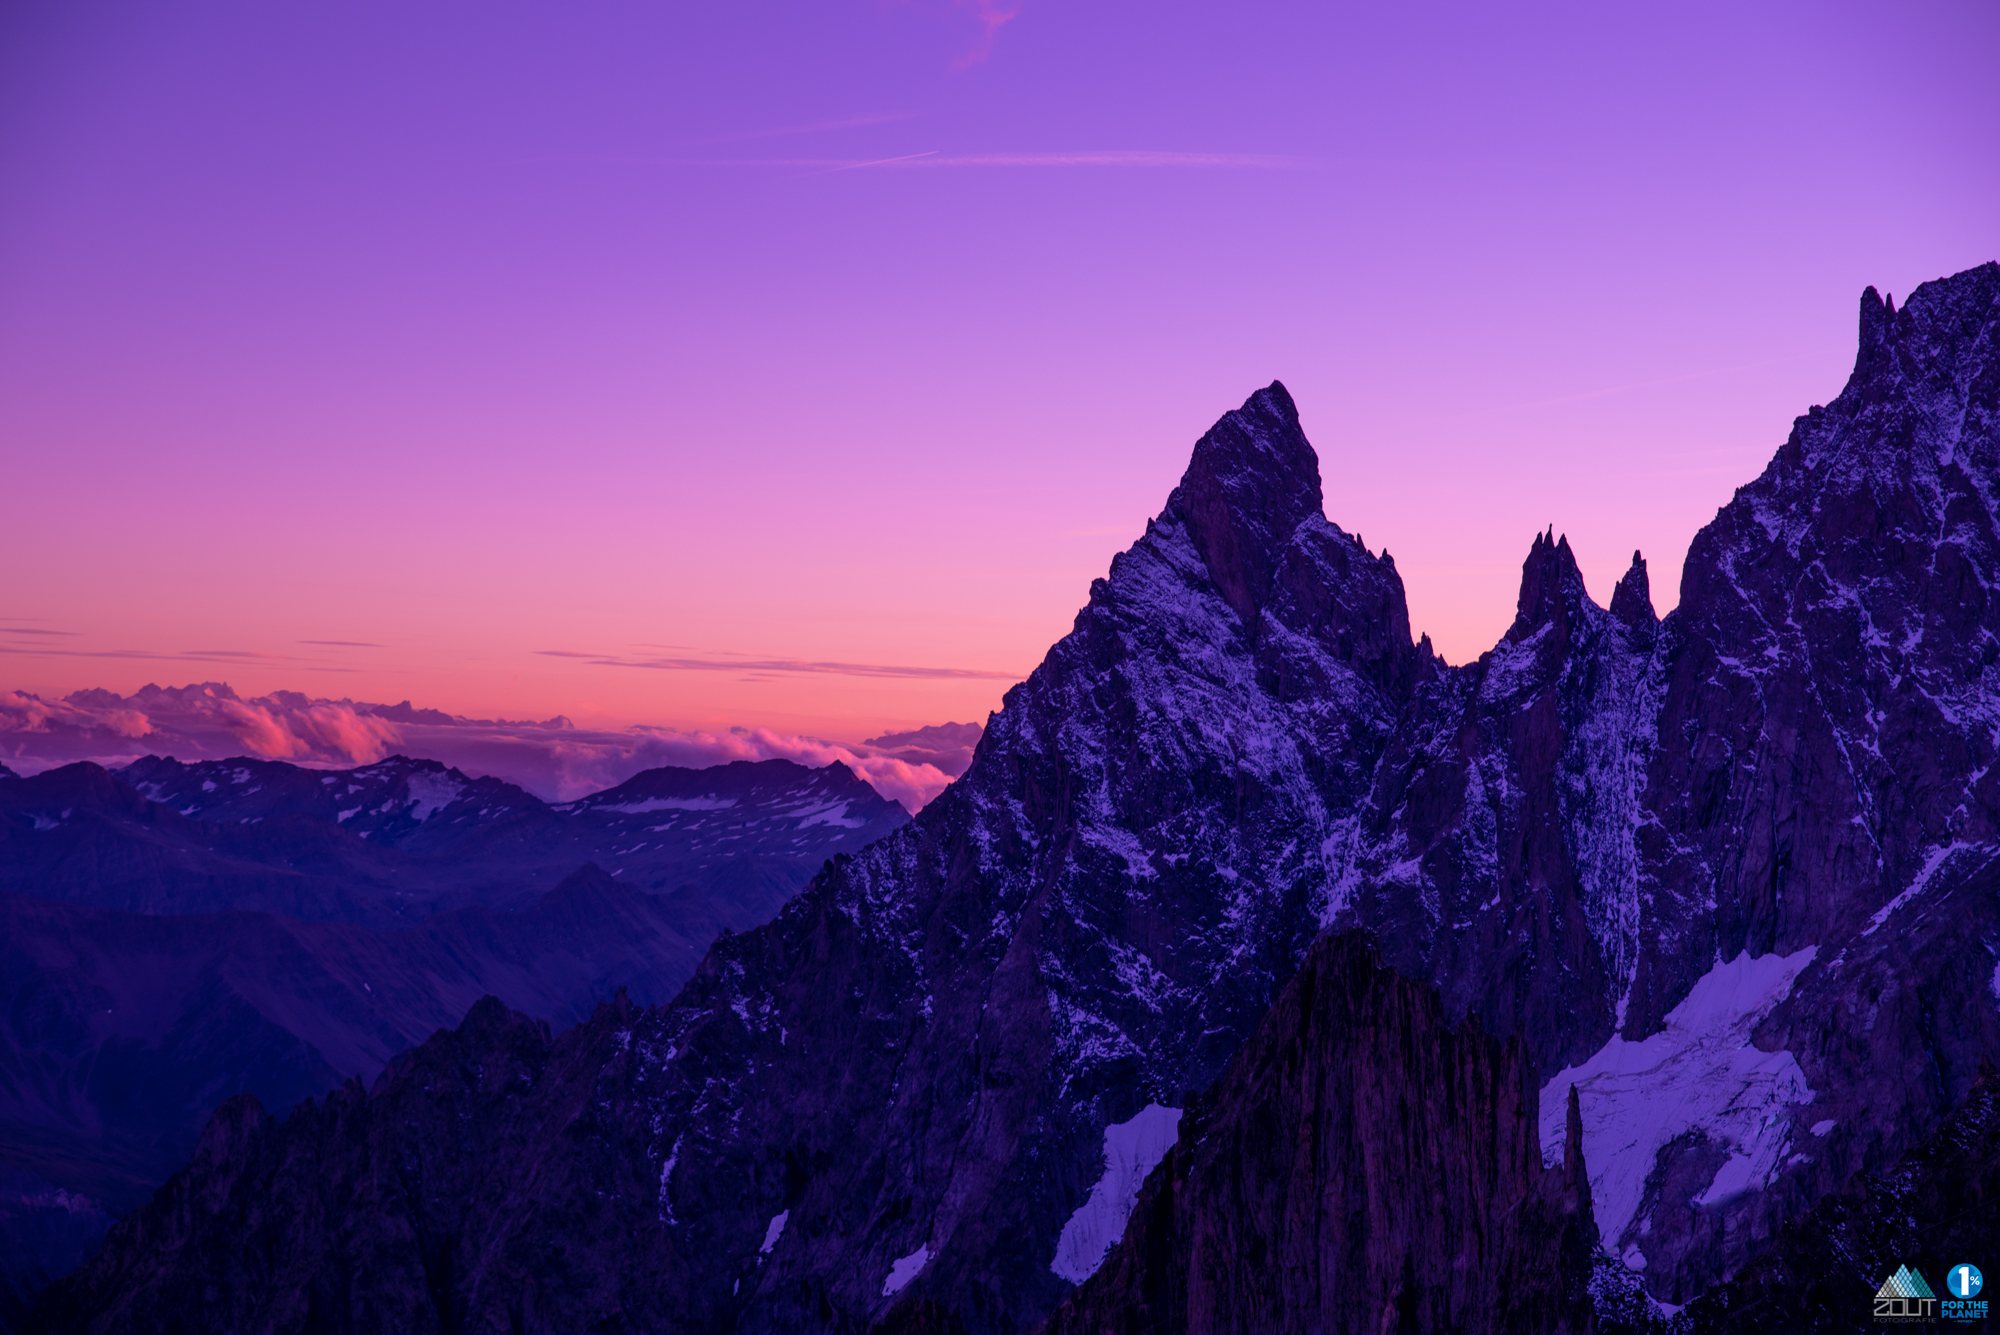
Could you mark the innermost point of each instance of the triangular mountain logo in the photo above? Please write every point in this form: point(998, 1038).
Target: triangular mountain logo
point(1905, 1295)
point(1905, 1283)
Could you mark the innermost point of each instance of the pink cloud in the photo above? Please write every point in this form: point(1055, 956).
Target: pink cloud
point(22, 713)
point(551, 758)
point(948, 746)
point(991, 15)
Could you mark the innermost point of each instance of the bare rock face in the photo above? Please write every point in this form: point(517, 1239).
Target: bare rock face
point(1363, 1167)
point(1730, 873)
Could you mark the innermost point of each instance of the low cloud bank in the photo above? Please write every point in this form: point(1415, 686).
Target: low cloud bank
point(947, 746)
point(552, 758)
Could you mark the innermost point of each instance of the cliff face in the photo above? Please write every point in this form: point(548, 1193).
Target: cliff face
point(1728, 873)
point(1362, 1160)
point(1364, 1166)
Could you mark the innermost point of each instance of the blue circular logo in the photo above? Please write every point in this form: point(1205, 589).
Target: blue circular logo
point(1964, 1281)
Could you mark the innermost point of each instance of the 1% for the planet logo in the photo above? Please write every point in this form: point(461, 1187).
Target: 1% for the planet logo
point(1962, 1302)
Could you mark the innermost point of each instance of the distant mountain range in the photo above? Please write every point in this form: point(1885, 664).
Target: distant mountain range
point(398, 841)
point(174, 934)
point(552, 758)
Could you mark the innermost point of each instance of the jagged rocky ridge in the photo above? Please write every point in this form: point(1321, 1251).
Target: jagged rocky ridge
point(1726, 872)
point(1362, 1167)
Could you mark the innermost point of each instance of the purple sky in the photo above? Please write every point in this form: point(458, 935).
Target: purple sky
point(746, 364)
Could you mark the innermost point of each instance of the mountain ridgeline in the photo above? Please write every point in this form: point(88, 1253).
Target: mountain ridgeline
point(1730, 875)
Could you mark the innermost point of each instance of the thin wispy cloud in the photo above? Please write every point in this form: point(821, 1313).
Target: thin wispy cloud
point(862, 164)
point(30, 630)
point(346, 644)
point(815, 127)
point(933, 159)
point(784, 665)
point(184, 656)
point(1126, 157)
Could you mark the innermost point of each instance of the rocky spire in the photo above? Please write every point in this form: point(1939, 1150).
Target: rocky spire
point(1252, 480)
point(1632, 600)
point(1576, 1175)
point(1551, 587)
point(1875, 352)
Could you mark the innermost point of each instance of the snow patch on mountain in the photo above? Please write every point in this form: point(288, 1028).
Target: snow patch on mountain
point(432, 793)
point(826, 813)
point(904, 1269)
point(773, 1231)
point(1131, 1150)
point(1604, 780)
point(669, 804)
point(1917, 886)
point(1701, 1072)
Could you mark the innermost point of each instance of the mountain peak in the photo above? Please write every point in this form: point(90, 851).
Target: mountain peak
point(1878, 319)
point(1252, 480)
point(1943, 326)
point(1550, 586)
point(1632, 600)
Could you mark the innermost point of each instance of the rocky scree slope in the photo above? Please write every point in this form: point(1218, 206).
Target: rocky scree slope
point(1728, 873)
point(1362, 1167)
